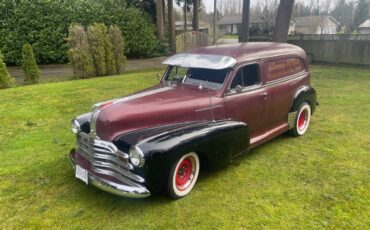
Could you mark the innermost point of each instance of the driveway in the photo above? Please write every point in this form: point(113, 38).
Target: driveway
point(62, 72)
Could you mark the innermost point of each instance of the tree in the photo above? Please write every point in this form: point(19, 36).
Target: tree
point(6, 80)
point(31, 71)
point(79, 52)
point(196, 15)
point(343, 12)
point(280, 32)
point(361, 12)
point(116, 38)
point(171, 27)
point(244, 33)
point(159, 10)
point(96, 38)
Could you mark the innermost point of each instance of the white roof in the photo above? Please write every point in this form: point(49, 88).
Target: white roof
point(366, 24)
point(206, 61)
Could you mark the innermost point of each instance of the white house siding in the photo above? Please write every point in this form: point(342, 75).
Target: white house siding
point(364, 30)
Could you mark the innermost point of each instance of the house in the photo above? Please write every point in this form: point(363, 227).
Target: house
point(180, 26)
point(325, 24)
point(292, 25)
point(232, 24)
point(364, 28)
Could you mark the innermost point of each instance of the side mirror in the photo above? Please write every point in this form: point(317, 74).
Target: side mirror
point(238, 88)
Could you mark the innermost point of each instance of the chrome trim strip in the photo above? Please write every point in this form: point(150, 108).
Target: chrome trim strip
point(94, 117)
point(208, 108)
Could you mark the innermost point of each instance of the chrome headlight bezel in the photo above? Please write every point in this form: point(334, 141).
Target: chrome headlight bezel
point(136, 156)
point(76, 127)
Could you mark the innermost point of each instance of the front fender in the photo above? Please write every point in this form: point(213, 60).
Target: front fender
point(215, 142)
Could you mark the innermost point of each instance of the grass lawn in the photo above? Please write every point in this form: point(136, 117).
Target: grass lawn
point(230, 36)
point(320, 180)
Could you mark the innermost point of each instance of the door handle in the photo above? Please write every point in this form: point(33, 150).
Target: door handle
point(265, 96)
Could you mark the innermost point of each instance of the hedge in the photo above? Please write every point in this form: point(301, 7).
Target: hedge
point(44, 24)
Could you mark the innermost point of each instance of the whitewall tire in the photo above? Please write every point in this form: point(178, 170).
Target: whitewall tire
point(302, 120)
point(183, 175)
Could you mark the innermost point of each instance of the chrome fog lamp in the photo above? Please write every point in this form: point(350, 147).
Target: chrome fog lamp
point(137, 157)
point(76, 128)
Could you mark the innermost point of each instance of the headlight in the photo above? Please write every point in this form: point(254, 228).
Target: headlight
point(76, 128)
point(137, 157)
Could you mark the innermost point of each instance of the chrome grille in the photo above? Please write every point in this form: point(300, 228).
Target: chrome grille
point(107, 159)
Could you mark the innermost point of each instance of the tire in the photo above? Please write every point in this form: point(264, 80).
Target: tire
point(302, 120)
point(183, 176)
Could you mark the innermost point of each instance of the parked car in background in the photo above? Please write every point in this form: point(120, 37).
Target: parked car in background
point(212, 105)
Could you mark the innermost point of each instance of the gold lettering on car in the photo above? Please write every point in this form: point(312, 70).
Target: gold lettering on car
point(284, 67)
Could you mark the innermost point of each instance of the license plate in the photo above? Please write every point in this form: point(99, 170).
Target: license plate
point(82, 174)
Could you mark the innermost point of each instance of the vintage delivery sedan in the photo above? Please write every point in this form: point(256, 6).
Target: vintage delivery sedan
point(212, 105)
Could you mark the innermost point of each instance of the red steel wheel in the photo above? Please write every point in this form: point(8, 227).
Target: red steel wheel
point(302, 120)
point(183, 175)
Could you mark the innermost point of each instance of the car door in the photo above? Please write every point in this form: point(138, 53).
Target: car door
point(246, 99)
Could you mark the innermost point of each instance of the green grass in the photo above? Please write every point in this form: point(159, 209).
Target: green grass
point(320, 180)
point(230, 36)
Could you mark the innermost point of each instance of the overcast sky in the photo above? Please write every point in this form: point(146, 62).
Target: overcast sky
point(209, 3)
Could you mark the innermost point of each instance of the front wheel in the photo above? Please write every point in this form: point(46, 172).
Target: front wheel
point(183, 176)
point(302, 120)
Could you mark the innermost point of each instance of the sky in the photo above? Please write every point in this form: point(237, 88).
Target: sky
point(209, 3)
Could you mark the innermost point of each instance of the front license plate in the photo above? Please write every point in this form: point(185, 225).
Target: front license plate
point(82, 174)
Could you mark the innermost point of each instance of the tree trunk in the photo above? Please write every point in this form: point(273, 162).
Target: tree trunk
point(160, 31)
point(280, 32)
point(185, 16)
point(171, 28)
point(244, 30)
point(196, 15)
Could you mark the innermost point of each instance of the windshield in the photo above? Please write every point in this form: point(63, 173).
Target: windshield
point(197, 76)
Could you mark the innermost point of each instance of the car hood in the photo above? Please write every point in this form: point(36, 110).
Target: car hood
point(155, 106)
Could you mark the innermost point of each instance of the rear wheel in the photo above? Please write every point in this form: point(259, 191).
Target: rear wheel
point(183, 176)
point(302, 120)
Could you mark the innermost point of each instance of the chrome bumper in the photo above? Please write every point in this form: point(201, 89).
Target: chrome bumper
point(110, 186)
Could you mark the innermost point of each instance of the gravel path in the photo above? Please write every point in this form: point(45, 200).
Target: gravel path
point(50, 73)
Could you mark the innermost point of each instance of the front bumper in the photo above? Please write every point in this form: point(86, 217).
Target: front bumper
point(104, 182)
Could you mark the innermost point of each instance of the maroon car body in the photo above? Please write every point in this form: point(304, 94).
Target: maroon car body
point(212, 104)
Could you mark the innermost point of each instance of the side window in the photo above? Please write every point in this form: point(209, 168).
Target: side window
point(246, 76)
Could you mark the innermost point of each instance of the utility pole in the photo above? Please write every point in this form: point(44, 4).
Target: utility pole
point(214, 21)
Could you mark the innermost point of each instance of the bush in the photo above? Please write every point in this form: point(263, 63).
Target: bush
point(96, 38)
point(44, 24)
point(6, 80)
point(79, 53)
point(116, 38)
point(109, 56)
point(30, 69)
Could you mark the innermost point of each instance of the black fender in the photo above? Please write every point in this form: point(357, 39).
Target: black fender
point(304, 94)
point(84, 121)
point(215, 142)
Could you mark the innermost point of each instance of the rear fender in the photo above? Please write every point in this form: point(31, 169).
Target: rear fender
point(304, 94)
